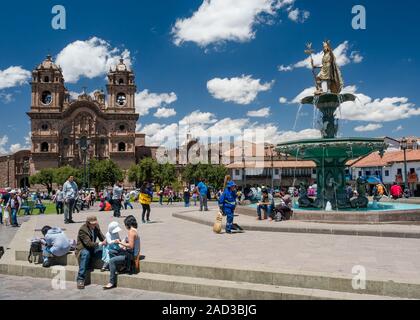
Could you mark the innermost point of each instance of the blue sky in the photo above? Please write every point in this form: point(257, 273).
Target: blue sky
point(209, 68)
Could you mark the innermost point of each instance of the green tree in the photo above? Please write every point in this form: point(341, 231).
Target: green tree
point(165, 175)
point(104, 173)
point(148, 170)
point(61, 175)
point(44, 177)
point(133, 175)
point(214, 174)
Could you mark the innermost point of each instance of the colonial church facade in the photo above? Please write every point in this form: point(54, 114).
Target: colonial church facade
point(70, 131)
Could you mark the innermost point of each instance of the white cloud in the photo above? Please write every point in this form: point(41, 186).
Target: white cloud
point(5, 149)
point(13, 77)
point(146, 101)
point(262, 113)
point(6, 98)
point(3, 143)
point(341, 53)
point(242, 90)
point(283, 100)
point(91, 58)
point(399, 128)
point(369, 109)
point(198, 117)
point(368, 128)
point(298, 15)
point(209, 127)
point(165, 113)
point(218, 21)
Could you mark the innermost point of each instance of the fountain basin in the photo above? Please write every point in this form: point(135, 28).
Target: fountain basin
point(387, 212)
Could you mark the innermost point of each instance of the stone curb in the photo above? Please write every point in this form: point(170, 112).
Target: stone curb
point(325, 231)
point(286, 279)
point(200, 287)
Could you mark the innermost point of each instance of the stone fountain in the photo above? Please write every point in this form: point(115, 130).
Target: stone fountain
point(330, 153)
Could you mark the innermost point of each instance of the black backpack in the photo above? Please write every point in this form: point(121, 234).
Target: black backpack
point(35, 249)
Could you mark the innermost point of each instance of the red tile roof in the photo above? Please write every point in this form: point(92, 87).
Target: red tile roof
point(375, 160)
point(276, 164)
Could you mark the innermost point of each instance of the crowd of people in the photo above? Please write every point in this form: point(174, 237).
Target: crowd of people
point(13, 201)
point(119, 255)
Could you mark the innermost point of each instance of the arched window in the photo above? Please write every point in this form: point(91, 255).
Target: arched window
point(44, 127)
point(44, 147)
point(121, 81)
point(121, 147)
point(121, 127)
point(46, 79)
point(66, 141)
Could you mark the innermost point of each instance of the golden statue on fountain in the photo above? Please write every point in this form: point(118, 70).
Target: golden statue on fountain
point(329, 79)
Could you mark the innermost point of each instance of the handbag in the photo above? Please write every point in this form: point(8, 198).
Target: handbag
point(217, 227)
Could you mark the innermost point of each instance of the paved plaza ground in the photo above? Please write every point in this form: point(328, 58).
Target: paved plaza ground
point(178, 241)
point(172, 240)
point(25, 288)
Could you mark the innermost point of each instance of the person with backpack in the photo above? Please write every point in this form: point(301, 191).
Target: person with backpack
point(13, 206)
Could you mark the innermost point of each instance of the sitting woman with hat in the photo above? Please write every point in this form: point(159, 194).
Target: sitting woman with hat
point(130, 250)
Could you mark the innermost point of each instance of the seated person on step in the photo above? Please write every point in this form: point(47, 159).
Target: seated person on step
point(267, 205)
point(55, 244)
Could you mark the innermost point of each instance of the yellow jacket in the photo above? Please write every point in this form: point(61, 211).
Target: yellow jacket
point(144, 198)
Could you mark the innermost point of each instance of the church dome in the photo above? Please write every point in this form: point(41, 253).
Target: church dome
point(121, 66)
point(48, 64)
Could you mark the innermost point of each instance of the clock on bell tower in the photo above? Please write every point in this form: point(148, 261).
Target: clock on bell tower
point(121, 89)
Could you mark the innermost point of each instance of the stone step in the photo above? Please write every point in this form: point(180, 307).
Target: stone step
point(314, 228)
point(192, 286)
point(334, 283)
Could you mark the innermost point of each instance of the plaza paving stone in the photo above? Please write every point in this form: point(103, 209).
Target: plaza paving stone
point(25, 288)
point(172, 240)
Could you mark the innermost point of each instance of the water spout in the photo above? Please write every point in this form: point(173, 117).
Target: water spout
point(297, 116)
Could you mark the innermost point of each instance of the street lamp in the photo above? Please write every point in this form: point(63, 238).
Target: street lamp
point(404, 146)
point(271, 147)
point(25, 172)
point(8, 171)
point(84, 144)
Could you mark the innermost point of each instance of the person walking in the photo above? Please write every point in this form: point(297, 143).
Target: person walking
point(203, 190)
point(160, 194)
point(13, 206)
point(228, 204)
point(127, 200)
point(146, 197)
point(170, 197)
point(59, 200)
point(70, 193)
point(187, 196)
point(117, 198)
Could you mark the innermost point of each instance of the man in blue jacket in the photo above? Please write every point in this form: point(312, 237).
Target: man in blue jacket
point(203, 189)
point(228, 203)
